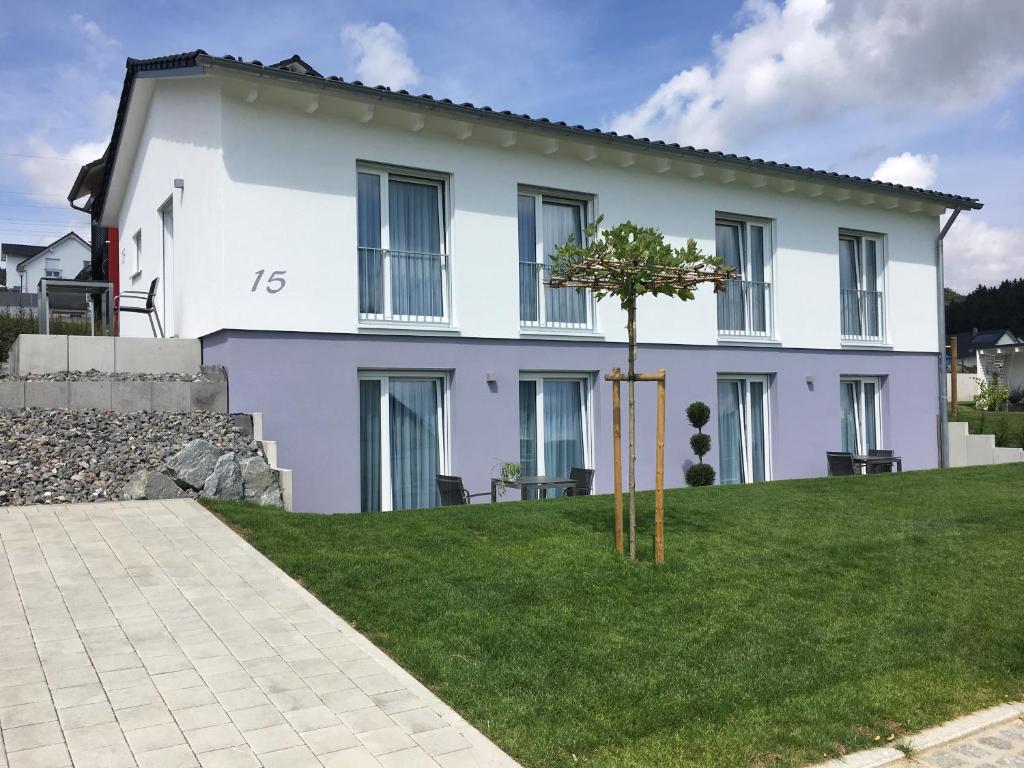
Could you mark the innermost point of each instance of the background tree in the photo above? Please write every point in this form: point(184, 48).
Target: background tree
point(987, 308)
point(629, 261)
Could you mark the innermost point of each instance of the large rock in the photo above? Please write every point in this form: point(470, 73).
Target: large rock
point(225, 482)
point(194, 463)
point(147, 484)
point(259, 482)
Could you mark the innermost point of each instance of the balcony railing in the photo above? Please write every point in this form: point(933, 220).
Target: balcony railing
point(863, 318)
point(542, 306)
point(745, 309)
point(403, 286)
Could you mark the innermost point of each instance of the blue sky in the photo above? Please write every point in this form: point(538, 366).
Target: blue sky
point(927, 92)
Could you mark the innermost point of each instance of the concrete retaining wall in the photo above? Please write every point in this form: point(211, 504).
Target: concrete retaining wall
point(35, 353)
point(123, 396)
point(967, 450)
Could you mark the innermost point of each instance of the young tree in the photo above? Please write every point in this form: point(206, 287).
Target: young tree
point(629, 261)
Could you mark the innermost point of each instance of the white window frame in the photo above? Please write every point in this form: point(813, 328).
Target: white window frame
point(137, 240)
point(54, 274)
point(859, 239)
point(748, 452)
point(586, 382)
point(859, 410)
point(442, 182)
point(744, 222)
point(586, 205)
point(442, 384)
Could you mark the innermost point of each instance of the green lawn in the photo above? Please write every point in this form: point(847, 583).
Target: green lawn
point(1008, 426)
point(792, 621)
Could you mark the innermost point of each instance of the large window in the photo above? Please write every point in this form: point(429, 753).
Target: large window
point(745, 308)
point(743, 429)
point(860, 287)
point(554, 424)
point(860, 403)
point(402, 440)
point(545, 222)
point(403, 269)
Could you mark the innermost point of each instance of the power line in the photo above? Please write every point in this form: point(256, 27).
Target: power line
point(41, 157)
point(32, 194)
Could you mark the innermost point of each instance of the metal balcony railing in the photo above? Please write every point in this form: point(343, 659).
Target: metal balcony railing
point(745, 309)
point(542, 306)
point(863, 318)
point(403, 286)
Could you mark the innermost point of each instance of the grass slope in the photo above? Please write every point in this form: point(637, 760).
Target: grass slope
point(792, 621)
point(1007, 426)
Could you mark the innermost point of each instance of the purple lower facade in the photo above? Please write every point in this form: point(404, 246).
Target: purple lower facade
point(307, 387)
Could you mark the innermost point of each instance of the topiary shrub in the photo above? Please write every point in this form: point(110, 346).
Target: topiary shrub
point(699, 474)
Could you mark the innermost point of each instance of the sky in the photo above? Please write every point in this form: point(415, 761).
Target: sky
point(922, 92)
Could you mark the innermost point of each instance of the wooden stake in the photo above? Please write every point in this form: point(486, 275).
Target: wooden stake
point(659, 476)
point(617, 455)
point(631, 327)
point(953, 374)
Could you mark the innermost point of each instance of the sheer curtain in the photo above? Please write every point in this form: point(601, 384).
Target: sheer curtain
point(563, 427)
point(871, 302)
point(528, 427)
point(371, 260)
point(415, 246)
point(528, 270)
point(849, 284)
point(369, 445)
point(730, 433)
point(758, 297)
point(870, 416)
point(415, 456)
point(564, 305)
point(757, 425)
point(731, 315)
point(848, 410)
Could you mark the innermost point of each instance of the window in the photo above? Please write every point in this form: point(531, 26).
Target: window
point(745, 309)
point(545, 222)
point(860, 403)
point(402, 242)
point(137, 266)
point(743, 429)
point(554, 424)
point(860, 287)
point(53, 268)
point(402, 440)
point(86, 264)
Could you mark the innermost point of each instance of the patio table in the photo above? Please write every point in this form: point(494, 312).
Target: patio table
point(526, 482)
point(866, 461)
point(96, 290)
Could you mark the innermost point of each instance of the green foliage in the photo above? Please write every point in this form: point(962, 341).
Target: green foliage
point(1000, 306)
point(990, 423)
point(23, 321)
point(700, 444)
point(698, 414)
point(700, 475)
point(629, 261)
point(990, 396)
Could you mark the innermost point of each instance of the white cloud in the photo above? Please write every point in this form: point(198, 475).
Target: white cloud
point(51, 172)
point(979, 253)
point(809, 61)
point(908, 169)
point(98, 42)
point(379, 55)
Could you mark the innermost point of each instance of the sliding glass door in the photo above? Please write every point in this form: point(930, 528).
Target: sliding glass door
point(402, 422)
point(860, 422)
point(743, 430)
point(554, 425)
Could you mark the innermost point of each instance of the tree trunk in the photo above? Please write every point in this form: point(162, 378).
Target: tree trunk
point(631, 325)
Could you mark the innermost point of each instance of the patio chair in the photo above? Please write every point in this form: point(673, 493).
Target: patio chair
point(584, 482)
point(149, 305)
point(453, 493)
point(878, 469)
point(840, 463)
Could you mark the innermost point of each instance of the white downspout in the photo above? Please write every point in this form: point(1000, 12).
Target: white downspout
point(940, 287)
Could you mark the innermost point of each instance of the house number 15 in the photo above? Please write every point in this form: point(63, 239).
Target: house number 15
point(275, 283)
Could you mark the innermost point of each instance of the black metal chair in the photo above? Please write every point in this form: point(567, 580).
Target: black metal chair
point(453, 493)
point(148, 309)
point(878, 469)
point(584, 482)
point(840, 464)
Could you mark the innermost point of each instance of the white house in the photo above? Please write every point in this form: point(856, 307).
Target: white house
point(65, 257)
point(369, 266)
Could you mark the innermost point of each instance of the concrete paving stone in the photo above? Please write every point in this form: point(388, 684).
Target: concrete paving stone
point(175, 681)
point(298, 652)
point(90, 693)
point(12, 659)
point(143, 716)
point(407, 758)
point(22, 676)
point(218, 665)
point(254, 718)
point(179, 756)
point(292, 700)
point(332, 739)
point(356, 757)
point(463, 758)
point(418, 720)
point(229, 681)
point(357, 668)
point(85, 715)
point(214, 737)
point(24, 694)
point(364, 720)
point(174, 662)
point(135, 696)
point(27, 714)
point(384, 740)
point(382, 683)
point(272, 738)
point(154, 737)
point(346, 701)
point(441, 741)
point(264, 667)
point(92, 737)
point(311, 718)
point(279, 683)
point(32, 736)
point(123, 678)
point(232, 757)
point(396, 701)
point(113, 756)
point(69, 677)
point(293, 757)
point(315, 665)
point(201, 717)
point(330, 683)
point(53, 756)
point(244, 698)
point(116, 662)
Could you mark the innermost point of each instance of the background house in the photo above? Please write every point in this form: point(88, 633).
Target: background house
point(64, 258)
point(11, 257)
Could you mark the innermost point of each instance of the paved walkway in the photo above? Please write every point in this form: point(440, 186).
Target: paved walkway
point(149, 634)
point(1001, 746)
